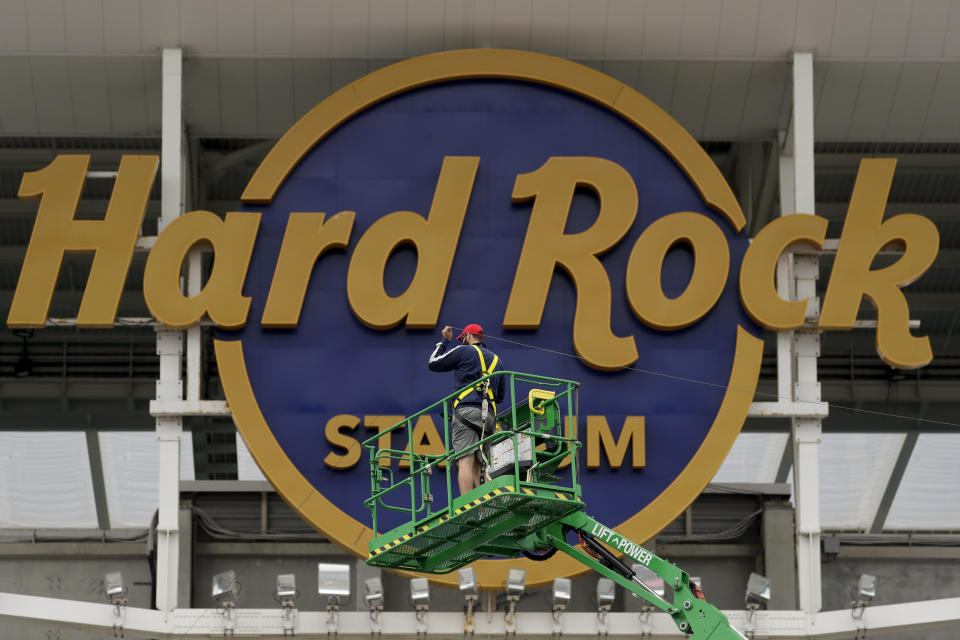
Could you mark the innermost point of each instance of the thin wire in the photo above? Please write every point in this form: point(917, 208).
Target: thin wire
point(725, 387)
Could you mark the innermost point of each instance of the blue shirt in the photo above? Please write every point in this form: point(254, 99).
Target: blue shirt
point(464, 361)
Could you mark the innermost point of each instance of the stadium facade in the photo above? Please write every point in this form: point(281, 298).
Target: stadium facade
point(119, 450)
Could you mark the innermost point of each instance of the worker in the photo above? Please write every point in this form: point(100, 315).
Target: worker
point(474, 409)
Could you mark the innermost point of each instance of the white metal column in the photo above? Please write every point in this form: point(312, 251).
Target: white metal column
point(797, 351)
point(169, 343)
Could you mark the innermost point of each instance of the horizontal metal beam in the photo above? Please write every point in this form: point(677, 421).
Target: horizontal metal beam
point(269, 549)
point(938, 212)
point(921, 161)
point(707, 550)
point(86, 207)
point(268, 624)
point(918, 552)
point(225, 486)
point(39, 417)
point(77, 388)
point(73, 549)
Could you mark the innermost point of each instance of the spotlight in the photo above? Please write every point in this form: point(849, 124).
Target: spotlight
point(113, 588)
point(866, 592)
point(333, 581)
point(467, 578)
point(562, 591)
point(516, 582)
point(606, 593)
point(225, 589)
point(373, 593)
point(420, 593)
point(867, 587)
point(286, 591)
point(757, 595)
point(420, 598)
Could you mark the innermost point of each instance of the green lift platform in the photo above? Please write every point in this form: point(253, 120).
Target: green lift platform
point(530, 502)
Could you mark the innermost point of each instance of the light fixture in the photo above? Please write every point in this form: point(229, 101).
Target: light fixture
point(333, 581)
point(516, 582)
point(866, 592)
point(225, 589)
point(467, 578)
point(419, 593)
point(562, 591)
point(373, 597)
point(867, 587)
point(757, 595)
point(606, 593)
point(113, 588)
point(560, 598)
point(286, 591)
point(420, 598)
point(373, 593)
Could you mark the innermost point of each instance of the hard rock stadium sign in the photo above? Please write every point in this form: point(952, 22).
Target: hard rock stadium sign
point(543, 199)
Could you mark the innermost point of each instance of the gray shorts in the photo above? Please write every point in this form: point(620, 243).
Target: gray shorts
point(463, 435)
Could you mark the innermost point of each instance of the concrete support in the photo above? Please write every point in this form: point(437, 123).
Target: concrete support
point(798, 351)
point(778, 545)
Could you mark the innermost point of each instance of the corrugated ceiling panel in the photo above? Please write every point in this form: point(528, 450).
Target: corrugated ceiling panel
point(854, 471)
point(727, 100)
point(274, 96)
point(929, 494)
point(91, 108)
point(130, 470)
point(247, 468)
point(45, 481)
point(424, 27)
point(235, 32)
point(874, 100)
point(691, 94)
point(18, 113)
point(624, 23)
point(928, 28)
point(13, 26)
point(910, 103)
point(755, 457)
point(834, 110)
point(548, 30)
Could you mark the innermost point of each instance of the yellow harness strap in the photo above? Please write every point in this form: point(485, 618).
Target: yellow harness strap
point(484, 371)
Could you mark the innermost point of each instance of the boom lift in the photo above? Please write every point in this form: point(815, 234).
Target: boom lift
point(530, 504)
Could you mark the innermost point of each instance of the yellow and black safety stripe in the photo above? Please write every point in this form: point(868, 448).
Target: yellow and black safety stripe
point(444, 518)
point(484, 371)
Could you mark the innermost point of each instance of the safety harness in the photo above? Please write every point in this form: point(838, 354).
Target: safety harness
point(486, 393)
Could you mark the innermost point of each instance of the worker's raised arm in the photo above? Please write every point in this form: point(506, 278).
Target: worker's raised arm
point(443, 357)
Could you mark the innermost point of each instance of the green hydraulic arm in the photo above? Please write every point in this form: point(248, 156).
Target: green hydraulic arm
point(528, 507)
point(689, 610)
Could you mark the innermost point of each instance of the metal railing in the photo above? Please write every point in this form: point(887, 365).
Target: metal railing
point(510, 424)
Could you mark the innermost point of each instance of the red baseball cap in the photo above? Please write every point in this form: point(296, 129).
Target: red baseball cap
point(473, 329)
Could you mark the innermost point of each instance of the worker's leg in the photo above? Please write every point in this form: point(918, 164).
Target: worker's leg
point(467, 470)
point(477, 481)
